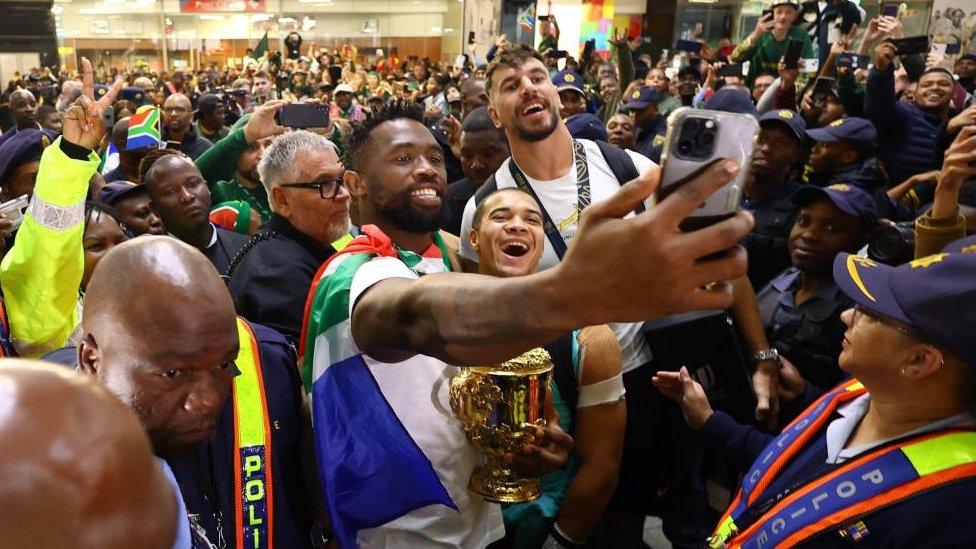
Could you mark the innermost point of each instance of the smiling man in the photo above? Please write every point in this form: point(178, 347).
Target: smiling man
point(908, 132)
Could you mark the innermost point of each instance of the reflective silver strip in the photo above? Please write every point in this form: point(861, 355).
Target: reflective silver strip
point(52, 216)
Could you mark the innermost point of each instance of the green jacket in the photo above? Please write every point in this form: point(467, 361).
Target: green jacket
point(41, 274)
point(766, 52)
point(214, 165)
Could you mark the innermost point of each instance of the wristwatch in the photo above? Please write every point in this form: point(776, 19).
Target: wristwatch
point(764, 355)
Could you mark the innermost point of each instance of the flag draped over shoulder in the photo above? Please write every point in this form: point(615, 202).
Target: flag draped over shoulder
point(372, 470)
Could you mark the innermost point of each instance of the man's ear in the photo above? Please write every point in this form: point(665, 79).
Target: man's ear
point(354, 183)
point(89, 357)
point(494, 116)
point(279, 198)
point(473, 239)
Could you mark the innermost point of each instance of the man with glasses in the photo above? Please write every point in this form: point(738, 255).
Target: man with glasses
point(178, 126)
point(270, 280)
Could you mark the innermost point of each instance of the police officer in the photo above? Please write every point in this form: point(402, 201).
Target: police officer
point(572, 96)
point(20, 159)
point(844, 150)
point(768, 193)
point(219, 397)
point(886, 459)
point(801, 307)
point(650, 125)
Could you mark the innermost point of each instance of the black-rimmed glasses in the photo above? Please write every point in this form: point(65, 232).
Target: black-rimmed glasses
point(327, 189)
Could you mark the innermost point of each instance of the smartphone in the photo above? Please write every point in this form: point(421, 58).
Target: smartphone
point(766, 14)
point(108, 115)
point(953, 49)
point(690, 46)
point(470, 37)
point(14, 210)
point(792, 56)
point(734, 69)
point(558, 54)
point(821, 87)
point(890, 9)
point(697, 138)
point(911, 45)
point(543, 18)
point(303, 115)
point(846, 61)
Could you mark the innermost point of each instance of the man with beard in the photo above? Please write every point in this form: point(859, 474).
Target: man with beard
point(302, 174)
point(965, 69)
point(79, 466)
point(178, 126)
point(243, 149)
point(219, 398)
point(23, 109)
point(483, 149)
point(768, 190)
point(561, 173)
point(375, 323)
point(907, 132)
point(180, 197)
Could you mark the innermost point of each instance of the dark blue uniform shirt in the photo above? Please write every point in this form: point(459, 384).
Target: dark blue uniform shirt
point(206, 478)
point(650, 139)
point(808, 335)
point(768, 243)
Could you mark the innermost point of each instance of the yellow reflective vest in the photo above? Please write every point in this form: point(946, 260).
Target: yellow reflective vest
point(41, 274)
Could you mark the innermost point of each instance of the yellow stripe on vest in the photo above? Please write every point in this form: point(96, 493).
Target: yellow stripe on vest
point(941, 453)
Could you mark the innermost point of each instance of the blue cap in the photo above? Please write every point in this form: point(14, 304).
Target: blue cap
point(848, 199)
point(859, 132)
point(965, 245)
point(641, 98)
point(734, 99)
point(25, 146)
point(100, 91)
point(935, 295)
point(790, 119)
point(135, 94)
point(586, 126)
point(568, 80)
point(114, 191)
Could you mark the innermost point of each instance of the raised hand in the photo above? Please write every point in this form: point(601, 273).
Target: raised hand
point(549, 449)
point(688, 393)
point(884, 54)
point(83, 122)
point(262, 122)
point(958, 167)
point(619, 41)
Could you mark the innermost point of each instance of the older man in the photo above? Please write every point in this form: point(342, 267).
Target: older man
point(178, 126)
point(302, 175)
point(23, 109)
point(78, 465)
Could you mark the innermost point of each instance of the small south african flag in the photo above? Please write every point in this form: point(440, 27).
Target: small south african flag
point(143, 129)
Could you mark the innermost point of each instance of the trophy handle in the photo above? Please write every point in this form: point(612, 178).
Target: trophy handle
point(473, 397)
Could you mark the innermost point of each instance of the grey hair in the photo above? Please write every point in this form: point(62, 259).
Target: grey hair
point(278, 164)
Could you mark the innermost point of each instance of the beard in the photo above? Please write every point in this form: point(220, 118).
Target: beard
point(407, 218)
point(539, 135)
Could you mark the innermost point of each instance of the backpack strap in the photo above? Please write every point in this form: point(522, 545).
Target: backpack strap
point(489, 186)
point(621, 164)
point(564, 369)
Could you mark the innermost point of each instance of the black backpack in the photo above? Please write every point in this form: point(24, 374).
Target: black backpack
point(621, 164)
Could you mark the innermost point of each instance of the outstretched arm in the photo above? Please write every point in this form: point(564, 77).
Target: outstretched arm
point(616, 270)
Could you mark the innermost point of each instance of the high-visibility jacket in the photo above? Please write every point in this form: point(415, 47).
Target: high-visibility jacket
point(42, 272)
point(874, 480)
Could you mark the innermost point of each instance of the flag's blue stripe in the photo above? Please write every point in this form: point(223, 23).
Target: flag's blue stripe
point(372, 470)
point(140, 141)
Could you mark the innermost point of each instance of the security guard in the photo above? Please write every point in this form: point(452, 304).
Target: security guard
point(768, 193)
point(572, 96)
point(887, 458)
point(801, 307)
point(651, 126)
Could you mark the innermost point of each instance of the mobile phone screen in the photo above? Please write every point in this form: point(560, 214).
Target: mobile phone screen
point(890, 10)
point(689, 46)
point(792, 56)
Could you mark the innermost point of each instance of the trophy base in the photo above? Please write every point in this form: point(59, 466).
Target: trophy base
point(499, 483)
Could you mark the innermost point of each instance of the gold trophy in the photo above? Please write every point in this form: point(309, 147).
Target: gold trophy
point(498, 406)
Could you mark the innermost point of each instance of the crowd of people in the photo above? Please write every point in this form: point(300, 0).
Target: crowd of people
point(253, 327)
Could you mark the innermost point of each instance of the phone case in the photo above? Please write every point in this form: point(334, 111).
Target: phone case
point(735, 140)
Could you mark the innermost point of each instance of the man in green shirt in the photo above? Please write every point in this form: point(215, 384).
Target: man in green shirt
point(766, 45)
point(242, 149)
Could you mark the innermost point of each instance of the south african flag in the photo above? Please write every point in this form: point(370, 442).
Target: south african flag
point(143, 129)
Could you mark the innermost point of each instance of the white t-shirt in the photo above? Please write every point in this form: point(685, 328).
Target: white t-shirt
point(417, 390)
point(559, 198)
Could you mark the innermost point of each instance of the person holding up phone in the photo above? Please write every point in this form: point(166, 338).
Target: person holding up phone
point(766, 45)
